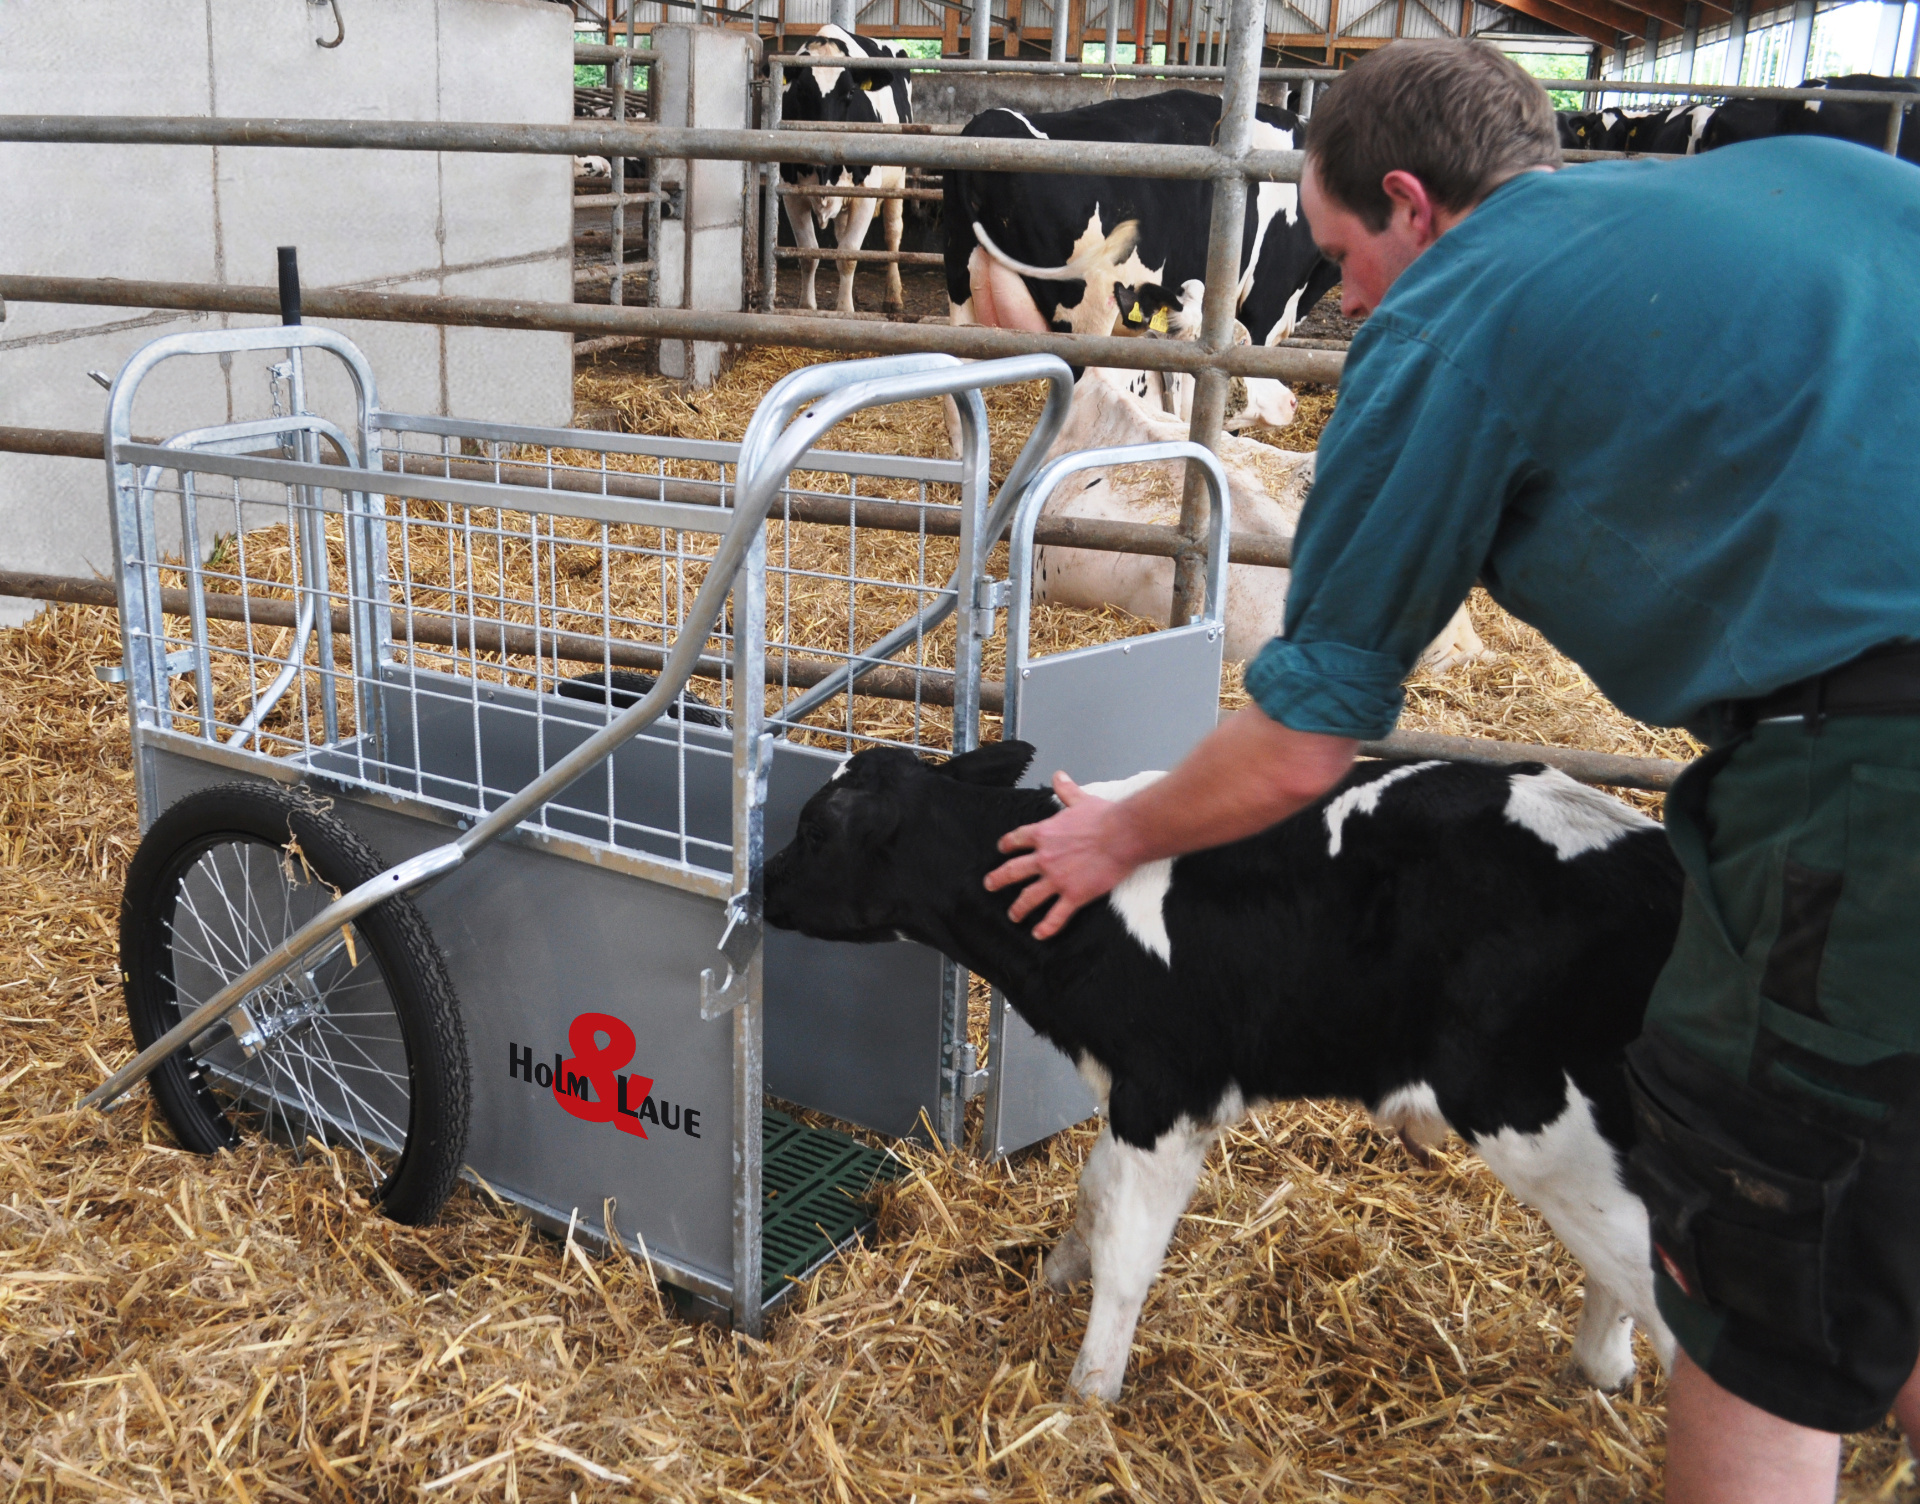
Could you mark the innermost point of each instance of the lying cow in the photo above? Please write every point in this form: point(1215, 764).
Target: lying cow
point(831, 91)
point(1457, 946)
point(1266, 487)
point(1039, 251)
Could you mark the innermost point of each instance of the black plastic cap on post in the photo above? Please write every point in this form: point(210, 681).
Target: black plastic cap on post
point(289, 285)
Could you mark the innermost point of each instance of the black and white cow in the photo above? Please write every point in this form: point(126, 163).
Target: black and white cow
point(1087, 255)
point(1741, 120)
point(831, 91)
point(1456, 946)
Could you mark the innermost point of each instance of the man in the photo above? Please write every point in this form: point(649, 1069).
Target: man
point(1668, 413)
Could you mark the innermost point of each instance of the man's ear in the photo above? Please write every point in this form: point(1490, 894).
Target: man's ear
point(995, 765)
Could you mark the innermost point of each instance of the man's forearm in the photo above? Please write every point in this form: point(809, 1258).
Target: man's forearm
point(1250, 773)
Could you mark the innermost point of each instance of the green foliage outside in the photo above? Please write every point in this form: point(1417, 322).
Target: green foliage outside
point(1094, 52)
point(594, 75)
point(1544, 65)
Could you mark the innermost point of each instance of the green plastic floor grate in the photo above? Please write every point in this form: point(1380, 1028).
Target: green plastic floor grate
point(816, 1186)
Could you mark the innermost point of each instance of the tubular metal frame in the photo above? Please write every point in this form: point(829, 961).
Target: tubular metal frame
point(796, 414)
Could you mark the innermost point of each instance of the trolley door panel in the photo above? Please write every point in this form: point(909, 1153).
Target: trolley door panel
point(851, 1030)
point(533, 942)
point(1099, 713)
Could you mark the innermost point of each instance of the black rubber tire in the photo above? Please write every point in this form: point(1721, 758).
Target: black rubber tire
point(386, 1075)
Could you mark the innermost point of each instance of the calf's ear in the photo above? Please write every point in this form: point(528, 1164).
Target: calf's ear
point(996, 765)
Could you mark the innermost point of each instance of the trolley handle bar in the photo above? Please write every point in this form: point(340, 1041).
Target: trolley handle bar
point(315, 932)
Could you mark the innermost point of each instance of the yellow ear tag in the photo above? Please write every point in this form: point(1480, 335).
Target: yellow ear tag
point(1159, 324)
point(1133, 314)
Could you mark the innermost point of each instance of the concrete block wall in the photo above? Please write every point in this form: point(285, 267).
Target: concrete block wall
point(461, 224)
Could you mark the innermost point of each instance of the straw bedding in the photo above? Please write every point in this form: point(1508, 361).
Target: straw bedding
point(1333, 1323)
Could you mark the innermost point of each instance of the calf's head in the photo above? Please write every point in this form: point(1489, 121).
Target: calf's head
point(882, 844)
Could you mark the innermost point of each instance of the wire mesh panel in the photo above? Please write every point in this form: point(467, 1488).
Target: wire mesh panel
point(450, 637)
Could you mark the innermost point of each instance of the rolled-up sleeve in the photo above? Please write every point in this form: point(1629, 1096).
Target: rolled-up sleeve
point(1414, 471)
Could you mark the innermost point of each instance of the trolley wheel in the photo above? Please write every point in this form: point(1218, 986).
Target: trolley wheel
point(363, 1049)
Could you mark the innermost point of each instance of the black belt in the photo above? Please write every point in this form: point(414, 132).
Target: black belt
point(1882, 681)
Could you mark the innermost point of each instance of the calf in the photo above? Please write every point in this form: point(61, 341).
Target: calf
point(1457, 946)
point(833, 92)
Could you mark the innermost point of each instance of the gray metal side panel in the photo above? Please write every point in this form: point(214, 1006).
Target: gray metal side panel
point(852, 1030)
point(1098, 713)
point(534, 940)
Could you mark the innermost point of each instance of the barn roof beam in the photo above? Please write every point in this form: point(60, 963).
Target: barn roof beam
point(1614, 15)
point(1566, 20)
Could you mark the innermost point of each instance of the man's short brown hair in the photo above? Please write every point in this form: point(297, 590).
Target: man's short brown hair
point(1462, 117)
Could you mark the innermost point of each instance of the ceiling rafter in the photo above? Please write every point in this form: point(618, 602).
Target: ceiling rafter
point(1566, 20)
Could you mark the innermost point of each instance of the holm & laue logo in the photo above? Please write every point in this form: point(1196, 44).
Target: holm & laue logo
point(592, 1084)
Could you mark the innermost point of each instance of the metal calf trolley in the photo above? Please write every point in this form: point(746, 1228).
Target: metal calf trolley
point(588, 657)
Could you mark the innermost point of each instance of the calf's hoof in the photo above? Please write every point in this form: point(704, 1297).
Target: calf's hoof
point(894, 307)
point(1606, 1363)
point(1070, 1262)
point(1096, 1384)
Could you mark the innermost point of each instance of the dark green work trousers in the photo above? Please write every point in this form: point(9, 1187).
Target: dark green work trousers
point(1777, 1085)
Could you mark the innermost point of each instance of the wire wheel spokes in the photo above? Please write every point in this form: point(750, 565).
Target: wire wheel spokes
point(319, 1050)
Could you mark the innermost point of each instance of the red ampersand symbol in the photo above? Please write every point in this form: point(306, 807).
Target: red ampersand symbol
point(595, 1062)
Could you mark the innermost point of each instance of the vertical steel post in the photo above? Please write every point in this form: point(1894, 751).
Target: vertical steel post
point(1799, 39)
point(1057, 38)
point(1734, 63)
point(617, 76)
point(752, 759)
point(1239, 94)
point(1896, 115)
point(1653, 58)
point(980, 29)
point(845, 14)
point(1689, 40)
point(1113, 31)
point(770, 204)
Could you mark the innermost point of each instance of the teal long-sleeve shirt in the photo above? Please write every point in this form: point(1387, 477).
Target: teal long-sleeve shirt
point(1668, 412)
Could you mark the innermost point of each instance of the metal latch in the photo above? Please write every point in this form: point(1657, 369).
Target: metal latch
point(967, 1076)
point(672, 201)
point(989, 596)
point(739, 943)
point(178, 663)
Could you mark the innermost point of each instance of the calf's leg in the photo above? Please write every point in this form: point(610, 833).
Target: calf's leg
point(1133, 1199)
point(1568, 1172)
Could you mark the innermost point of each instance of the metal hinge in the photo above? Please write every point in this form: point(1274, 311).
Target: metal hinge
point(967, 1077)
point(178, 663)
point(989, 596)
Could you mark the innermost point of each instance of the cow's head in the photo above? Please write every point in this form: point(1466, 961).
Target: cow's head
point(1149, 308)
point(878, 846)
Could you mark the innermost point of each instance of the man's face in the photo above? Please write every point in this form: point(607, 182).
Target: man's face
point(1370, 261)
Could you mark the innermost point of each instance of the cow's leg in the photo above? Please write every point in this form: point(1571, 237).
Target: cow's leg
point(854, 220)
point(1136, 1197)
point(960, 315)
point(1571, 1175)
point(1457, 644)
point(896, 212)
point(800, 216)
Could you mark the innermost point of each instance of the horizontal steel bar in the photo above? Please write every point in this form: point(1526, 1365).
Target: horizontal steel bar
point(828, 253)
point(601, 52)
point(1097, 534)
point(1608, 768)
point(1728, 91)
point(930, 686)
point(593, 138)
point(885, 682)
point(1073, 70)
point(608, 200)
point(878, 127)
point(969, 341)
point(856, 191)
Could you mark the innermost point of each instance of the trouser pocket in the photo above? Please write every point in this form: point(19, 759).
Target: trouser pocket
point(1745, 1195)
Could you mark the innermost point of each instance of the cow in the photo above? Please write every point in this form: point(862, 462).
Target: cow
point(1674, 131)
point(1266, 487)
point(1457, 946)
point(1842, 119)
point(831, 91)
point(1087, 255)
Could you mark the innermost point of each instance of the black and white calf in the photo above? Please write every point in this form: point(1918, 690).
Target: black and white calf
point(1087, 255)
point(831, 91)
point(1453, 945)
